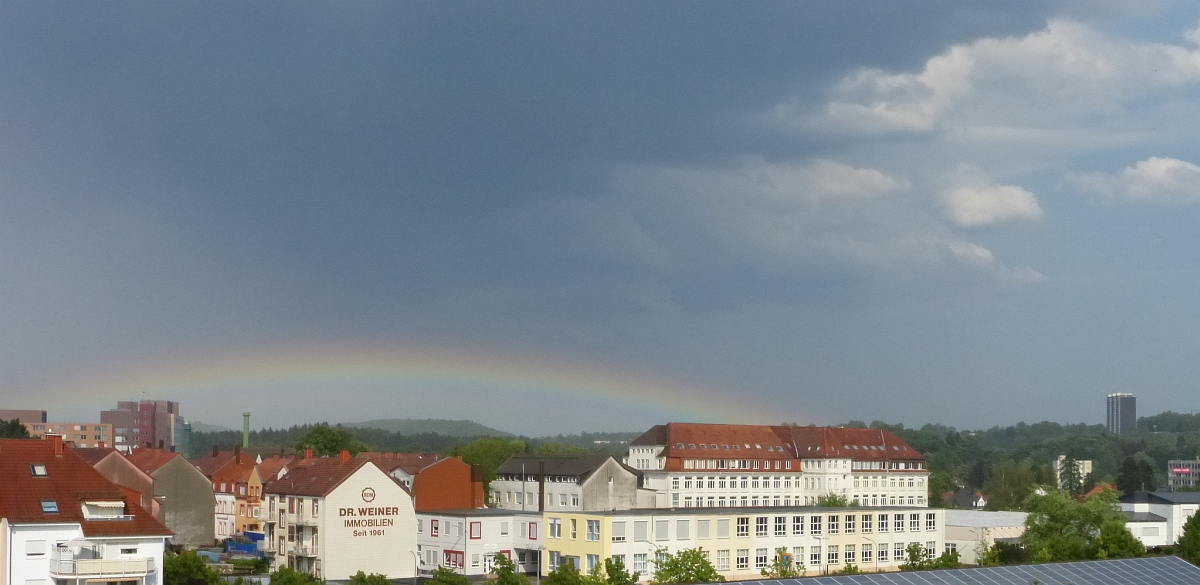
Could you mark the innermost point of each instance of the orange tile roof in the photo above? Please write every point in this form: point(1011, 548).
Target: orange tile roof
point(235, 470)
point(150, 460)
point(271, 466)
point(69, 481)
point(212, 462)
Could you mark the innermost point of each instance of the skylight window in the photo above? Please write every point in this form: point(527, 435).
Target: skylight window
point(38, 469)
point(49, 507)
point(714, 445)
point(680, 445)
point(703, 446)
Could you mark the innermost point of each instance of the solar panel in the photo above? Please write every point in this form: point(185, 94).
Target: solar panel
point(1143, 571)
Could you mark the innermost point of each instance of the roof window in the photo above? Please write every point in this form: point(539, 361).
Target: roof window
point(770, 448)
point(38, 469)
point(703, 446)
point(757, 446)
point(714, 445)
point(736, 447)
point(49, 507)
point(726, 447)
point(691, 445)
point(680, 445)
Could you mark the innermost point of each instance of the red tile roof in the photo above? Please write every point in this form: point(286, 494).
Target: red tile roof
point(69, 481)
point(212, 462)
point(411, 463)
point(94, 455)
point(150, 460)
point(271, 466)
point(763, 442)
point(317, 477)
point(235, 471)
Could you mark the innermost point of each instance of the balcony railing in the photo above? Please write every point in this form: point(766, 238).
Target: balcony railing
point(304, 550)
point(70, 567)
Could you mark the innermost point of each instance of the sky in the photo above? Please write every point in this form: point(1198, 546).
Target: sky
point(565, 217)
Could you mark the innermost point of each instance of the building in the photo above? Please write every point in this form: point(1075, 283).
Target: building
point(1083, 466)
point(87, 435)
point(1157, 518)
point(469, 540)
point(239, 477)
point(62, 523)
point(154, 424)
point(968, 531)
point(1122, 414)
point(25, 416)
point(741, 542)
point(569, 482)
point(436, 483)
point(712, 465)
point(334, 516)
point(122, 473)
point(185, 498)
point(1183, 473)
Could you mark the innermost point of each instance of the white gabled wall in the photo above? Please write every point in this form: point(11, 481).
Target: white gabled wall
point(348, 543)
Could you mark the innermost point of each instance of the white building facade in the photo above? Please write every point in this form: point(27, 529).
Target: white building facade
point(703, 465)
point(467, 541)
point(333, 517)
point(1157, 518)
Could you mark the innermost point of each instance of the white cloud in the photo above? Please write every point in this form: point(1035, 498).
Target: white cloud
point(976, 205)
point(1064, 75)
point(1156, 179)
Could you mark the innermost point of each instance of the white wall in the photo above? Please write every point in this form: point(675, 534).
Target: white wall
point(345, 550)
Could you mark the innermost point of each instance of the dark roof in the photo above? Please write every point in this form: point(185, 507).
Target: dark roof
point(1161, 497)
point(411, 463)
point(569, 465)
point(69, 481)
point(317, 477)
point(1143, 571)
point(763, 442)
point(1143, 517)
point(94, 455)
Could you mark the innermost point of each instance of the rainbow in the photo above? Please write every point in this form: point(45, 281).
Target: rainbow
point(339, 368)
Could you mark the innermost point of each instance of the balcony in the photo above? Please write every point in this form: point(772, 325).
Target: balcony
point(303, 550)
point(67, 566)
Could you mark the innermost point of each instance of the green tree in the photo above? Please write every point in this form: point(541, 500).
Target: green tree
point(188, 568)
point(1059, 528)
point(1188, 546)
point(939, 485)
point(327, 441)
point(616, 573)
point(13, 429)
point(1069, 478)
point(1008, 484)
point(565, 574)
point(783, 567)
point(289, 576)
point(361, 578)
point(488, 453)
point(832, 500)
point(1136, 474)
point(850, 570)
point(686, 566)
point(1116, 542)
point(506, 572)
point(445, 576)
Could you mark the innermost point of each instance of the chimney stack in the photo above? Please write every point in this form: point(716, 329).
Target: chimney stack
point(308, 453)
point(344, 456)
point(56, 441)
point(245, 430)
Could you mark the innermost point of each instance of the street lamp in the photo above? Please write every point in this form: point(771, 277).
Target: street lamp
point(876, 545)
point(416, 565)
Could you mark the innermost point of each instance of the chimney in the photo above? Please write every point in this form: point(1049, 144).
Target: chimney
point(56, 442)
point(245, 429)
point(308, 453)
point(215, 451)
point(344, 456)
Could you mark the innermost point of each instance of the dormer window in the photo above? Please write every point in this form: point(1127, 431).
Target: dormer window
point(38, 469)
point(49, 507)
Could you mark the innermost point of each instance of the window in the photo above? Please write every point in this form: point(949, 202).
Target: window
point(683, 529)
point(930, 521)
point(781, 526)
point(674, 483)
point(593, 530)
point(866, 553)
point(592, 561)
point(833, 524)
point(930, 549)
point(832, 557)
point(743, 526)
point(797, 524)
point(476, 530)
point(574, 500)
point(723, 528)
point(866, 523)
point(555, 559)
point(814, 526)
point(723, 560)
point(702, 529)
point(914, 522)
point(897, 552)
point(760, 526)
point(433, 528)
point(49, 507)
point(660, 529)
point(574, 529)
point(639, 563)
point(760, 558)
point(503, 529)
point(129, 550)
point(951, 547)
point(641, 530)
point(618, 531)
point(420, 527)
point(35, 548)
point(814, 555)
point(743, 558)
point(883, 522)
point(850, 524)
point(38, 469)
point(899, 524)
point(533, 531)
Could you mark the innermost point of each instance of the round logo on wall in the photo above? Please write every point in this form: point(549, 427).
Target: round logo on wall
point(368, 494)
